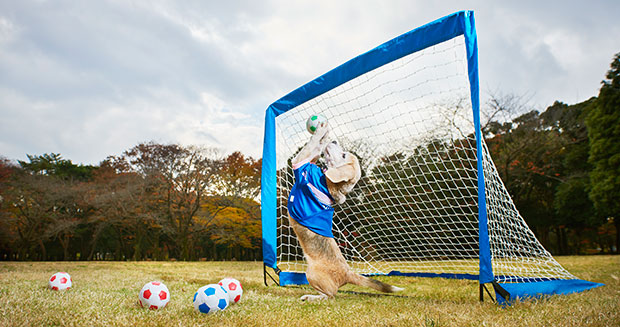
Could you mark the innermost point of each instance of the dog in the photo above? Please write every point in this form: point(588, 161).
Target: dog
point(310, 208)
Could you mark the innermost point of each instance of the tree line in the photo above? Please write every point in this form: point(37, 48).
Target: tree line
point(167, 201)
point(153, 202)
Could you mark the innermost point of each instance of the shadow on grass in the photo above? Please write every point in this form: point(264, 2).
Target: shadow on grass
point(376, 294)
point(294, 289)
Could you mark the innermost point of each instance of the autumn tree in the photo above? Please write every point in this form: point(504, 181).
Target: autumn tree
point(233, 209)
point(239, 177)
point(7, 237)
point(42, 204)
point(525, 153)
point(27, 204)
point(237, 227)
point(121, 202)
point(65, 213)
point(180, 178)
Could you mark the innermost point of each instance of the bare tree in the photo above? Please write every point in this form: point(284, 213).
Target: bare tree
point(501, 108)
point(121, 201)
point(27, 202)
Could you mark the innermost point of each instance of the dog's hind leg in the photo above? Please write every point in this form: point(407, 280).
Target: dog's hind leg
point(321, 281)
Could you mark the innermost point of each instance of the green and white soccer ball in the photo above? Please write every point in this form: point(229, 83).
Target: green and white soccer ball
point(314, 121)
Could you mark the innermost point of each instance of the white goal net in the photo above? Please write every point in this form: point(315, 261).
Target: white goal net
point(415, 209)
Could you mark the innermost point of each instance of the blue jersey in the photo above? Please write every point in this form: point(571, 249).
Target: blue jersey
point(310, 202)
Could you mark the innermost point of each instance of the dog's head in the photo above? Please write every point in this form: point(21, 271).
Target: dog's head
point(343, 171)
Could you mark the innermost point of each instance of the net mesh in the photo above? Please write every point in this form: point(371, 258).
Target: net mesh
point(415, 209)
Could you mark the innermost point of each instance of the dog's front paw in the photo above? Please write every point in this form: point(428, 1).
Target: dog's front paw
point(322, 130)
point(311, 298)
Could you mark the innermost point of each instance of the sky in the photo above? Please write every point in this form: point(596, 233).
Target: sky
point(90, 79)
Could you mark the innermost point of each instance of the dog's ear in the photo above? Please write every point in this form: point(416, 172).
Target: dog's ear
point(341, 174)
point(343, 179)
point(348, 172)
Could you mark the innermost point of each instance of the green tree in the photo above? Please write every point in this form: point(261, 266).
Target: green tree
point(604, 132)
point(54, 165)
point(574, 211)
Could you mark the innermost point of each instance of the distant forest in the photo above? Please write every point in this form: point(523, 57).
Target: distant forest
point(173, 202)
point(154, 202)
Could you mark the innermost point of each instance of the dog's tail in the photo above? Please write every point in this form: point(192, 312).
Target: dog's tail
point(375, 284)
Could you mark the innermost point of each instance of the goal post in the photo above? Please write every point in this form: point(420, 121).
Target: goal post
point(430, 202)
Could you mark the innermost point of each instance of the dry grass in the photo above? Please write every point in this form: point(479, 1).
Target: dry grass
point(105, 294)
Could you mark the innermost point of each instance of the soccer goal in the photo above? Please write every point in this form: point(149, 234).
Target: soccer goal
point(430, 202)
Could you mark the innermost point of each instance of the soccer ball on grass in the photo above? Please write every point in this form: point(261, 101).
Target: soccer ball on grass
point(210, 299)
point(154, 295)
point(60, 281)
point(234, 289)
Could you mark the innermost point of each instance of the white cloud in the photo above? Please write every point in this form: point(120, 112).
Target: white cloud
point(91, 79)
point(8, 30)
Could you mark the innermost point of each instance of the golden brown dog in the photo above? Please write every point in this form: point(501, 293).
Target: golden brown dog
point(327, 269)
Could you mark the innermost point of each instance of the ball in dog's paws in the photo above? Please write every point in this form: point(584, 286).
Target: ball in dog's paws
point(314, 122)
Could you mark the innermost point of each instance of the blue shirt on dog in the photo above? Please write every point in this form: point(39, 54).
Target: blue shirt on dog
point(310, 202)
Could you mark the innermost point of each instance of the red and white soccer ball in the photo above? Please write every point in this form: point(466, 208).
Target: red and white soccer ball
point(233, 287)
point(60, 281)
point(154, 295)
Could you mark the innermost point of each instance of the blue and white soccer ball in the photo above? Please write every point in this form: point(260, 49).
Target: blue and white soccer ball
point(211, 298)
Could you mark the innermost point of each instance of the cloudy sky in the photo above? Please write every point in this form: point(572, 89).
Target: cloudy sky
point(88, 79)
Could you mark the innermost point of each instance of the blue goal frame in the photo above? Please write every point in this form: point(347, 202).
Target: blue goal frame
point(440, 30)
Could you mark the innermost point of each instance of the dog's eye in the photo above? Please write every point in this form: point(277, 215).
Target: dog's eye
point(344, 155)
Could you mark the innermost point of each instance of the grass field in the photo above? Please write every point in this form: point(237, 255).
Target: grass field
point(105, 294)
